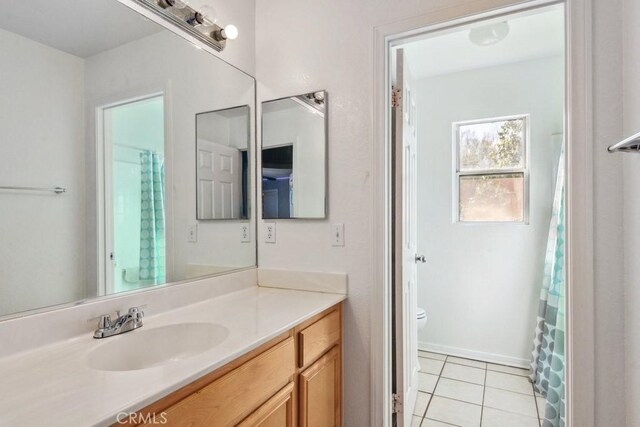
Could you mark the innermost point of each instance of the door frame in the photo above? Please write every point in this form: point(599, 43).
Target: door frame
point(103, 162)
point(579, 244)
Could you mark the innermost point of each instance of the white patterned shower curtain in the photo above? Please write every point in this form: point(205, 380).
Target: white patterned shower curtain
point(152, 226)
point(548, 357)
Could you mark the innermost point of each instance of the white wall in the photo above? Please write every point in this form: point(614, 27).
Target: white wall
point(481, 284)
point(195, 82)
point(631, 100)
point(41, 145)
point(305, 46)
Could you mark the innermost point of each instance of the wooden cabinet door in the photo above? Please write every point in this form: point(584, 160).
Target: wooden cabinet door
point(276, 412)
point(320, 391)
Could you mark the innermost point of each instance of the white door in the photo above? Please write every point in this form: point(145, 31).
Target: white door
point(219, 181)
point(405, 273)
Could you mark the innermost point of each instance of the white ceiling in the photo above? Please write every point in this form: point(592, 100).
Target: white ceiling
point(80, 27)
point(532, 35)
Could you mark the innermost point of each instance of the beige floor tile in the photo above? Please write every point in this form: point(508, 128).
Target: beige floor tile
point(509, 382)
point(508, 369)
point(463, 373)
point(415, 421)
point(497, 418)
point(459, 390)
point(430, 366)
point(421, 404)
point(454, 412)
point(426, 382)
point(511, 402)
point(433, 423)
point(467, 362)
point(430, 355)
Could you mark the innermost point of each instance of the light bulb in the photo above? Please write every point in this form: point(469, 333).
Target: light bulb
point(230, 32)
point(207, 15)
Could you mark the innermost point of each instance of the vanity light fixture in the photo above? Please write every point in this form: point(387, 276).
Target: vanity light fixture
point(488, 35)
point(201, 24)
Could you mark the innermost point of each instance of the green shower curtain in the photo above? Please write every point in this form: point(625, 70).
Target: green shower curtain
point(548, 358)
point(152, 243)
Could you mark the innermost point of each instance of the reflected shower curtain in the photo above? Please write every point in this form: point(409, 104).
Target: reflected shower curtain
point(548, 358)
point(152, 225)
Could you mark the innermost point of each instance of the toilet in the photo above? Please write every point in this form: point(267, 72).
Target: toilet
point(422, 318)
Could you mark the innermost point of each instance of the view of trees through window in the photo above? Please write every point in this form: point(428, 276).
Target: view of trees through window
point(491, 171)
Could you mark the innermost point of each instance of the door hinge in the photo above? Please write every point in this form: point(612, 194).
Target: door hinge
point(396, 97)
point(396, 403)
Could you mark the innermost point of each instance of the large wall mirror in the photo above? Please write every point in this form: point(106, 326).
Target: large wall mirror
point(294, 157)
point(100, 121)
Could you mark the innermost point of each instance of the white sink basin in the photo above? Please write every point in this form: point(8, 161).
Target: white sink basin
point(147, 348)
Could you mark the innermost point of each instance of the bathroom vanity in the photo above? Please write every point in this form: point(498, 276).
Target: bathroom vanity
point(295, 376)
point(222, 351)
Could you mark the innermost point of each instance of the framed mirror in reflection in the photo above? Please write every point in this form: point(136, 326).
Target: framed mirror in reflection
point(294, 156)
point(97, 176)
point(222, 163)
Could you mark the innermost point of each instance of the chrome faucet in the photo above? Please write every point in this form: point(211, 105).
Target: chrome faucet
point(125, 323)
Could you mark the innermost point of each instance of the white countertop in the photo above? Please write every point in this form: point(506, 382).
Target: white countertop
point(54, 385)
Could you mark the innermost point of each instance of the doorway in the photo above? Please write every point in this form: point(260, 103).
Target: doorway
point(134, 201)
point(477, 123)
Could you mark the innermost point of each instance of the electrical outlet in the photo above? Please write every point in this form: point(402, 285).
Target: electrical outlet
point(337, 234)
point(270, 232)
point(193, 233)
point(245, 234)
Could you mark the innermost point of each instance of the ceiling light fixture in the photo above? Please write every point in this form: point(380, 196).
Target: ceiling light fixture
point(489, 34)
point(201, 24)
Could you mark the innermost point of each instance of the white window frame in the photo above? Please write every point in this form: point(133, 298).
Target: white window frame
point(458, 174)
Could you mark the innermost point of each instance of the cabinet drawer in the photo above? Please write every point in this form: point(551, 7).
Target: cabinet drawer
point(319, 337)
point(235, 395)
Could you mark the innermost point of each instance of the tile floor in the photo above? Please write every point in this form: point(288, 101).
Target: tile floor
point(464, 392)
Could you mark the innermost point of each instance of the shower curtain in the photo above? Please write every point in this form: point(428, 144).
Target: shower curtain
point(152, 225)
point(548, 358)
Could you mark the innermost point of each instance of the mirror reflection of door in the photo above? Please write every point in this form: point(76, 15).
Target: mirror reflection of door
point(222, 164)
point(135, 206)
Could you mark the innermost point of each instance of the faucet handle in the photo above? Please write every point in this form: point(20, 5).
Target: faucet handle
point(104, 322)
point(137, 311)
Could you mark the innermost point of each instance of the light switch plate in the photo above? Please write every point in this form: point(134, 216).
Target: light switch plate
point(270, 232)
point(337, 234)
point(193, 233)
point(245, 233)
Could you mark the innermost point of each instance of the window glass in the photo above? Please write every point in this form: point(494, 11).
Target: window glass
point(492, 198)
point(495, 145)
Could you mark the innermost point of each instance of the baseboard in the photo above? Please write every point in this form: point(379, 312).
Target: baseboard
point(476, 355)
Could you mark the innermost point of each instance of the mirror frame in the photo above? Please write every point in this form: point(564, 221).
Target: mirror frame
point(325, 214)
point(136, 7)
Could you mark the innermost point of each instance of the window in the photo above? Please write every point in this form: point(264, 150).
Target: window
point(491, 170)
